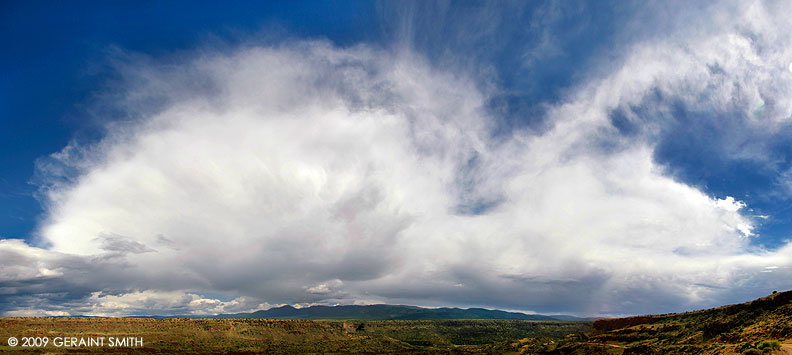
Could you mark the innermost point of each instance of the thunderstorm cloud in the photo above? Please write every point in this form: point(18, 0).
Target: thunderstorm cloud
point(300, 171)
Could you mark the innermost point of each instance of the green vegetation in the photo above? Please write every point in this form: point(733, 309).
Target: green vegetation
point(758, 347)
point(254, 336)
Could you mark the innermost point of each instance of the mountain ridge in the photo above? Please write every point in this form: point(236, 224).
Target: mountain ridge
point(391, 312)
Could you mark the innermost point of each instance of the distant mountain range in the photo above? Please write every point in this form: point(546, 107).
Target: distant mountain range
point(390, 312)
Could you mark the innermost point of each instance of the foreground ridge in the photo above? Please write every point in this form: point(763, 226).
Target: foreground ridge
point(761, 326)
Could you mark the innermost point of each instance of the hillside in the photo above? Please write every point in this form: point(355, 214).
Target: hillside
point(384, 312)
point(759, 326)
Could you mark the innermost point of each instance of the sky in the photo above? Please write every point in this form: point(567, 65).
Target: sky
point(592, 158)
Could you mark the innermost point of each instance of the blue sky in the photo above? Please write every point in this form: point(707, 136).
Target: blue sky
point(429, 153)
point(61, 54)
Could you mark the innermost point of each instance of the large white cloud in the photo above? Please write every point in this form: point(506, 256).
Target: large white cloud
point(310, 173)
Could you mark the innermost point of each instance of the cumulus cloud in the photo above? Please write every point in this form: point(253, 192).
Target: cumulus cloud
point(304, 173)
point(151, 302)
point(36, 313)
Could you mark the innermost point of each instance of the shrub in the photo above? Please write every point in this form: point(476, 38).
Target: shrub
point(769, 345)
point(640, 349)
point(717, 327)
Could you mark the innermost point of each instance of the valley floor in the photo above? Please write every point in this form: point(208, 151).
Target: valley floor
point(253, 336)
